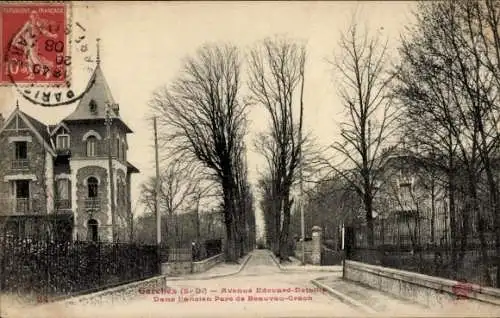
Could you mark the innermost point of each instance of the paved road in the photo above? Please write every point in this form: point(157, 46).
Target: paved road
point(261, 289)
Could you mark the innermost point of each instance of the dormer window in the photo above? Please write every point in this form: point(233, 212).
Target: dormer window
point(93, 106)
point(62, 141)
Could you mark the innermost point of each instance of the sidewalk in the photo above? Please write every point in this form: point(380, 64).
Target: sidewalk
point(367, 299)
point(219, 270)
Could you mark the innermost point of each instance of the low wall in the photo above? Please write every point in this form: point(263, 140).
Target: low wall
point(184, 268)
point(176, 268)
point(427, 290)
point(206, 264)
point(308, 247)
point(121, 293)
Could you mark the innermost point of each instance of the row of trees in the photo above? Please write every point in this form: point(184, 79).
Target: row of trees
point(449, 76)
point(202, 123)
point(188, 227)
point(277, 83)
point(442, 97)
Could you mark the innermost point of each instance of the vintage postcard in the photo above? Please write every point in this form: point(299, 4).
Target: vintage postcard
point(249, 159)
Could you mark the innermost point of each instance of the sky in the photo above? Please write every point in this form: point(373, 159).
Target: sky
point(143, 45)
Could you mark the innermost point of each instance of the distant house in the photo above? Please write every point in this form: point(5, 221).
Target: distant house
point(55, 180)
point(411, 202)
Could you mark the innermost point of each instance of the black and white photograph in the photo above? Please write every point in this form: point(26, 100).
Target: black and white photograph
point(249, 158)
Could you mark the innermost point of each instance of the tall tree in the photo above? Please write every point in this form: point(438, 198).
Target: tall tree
point(449, 76)
point(202, 119)
point(277, 83)
point(364, 93)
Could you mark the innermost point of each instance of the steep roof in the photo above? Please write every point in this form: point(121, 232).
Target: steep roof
point(40, 129)
point(99, 95)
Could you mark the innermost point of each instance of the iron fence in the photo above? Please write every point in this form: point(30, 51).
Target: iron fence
point(180, 255)
point(467, 261)
point(197, 252)
point(212, 247)
point(70, 268)
point(330, 256)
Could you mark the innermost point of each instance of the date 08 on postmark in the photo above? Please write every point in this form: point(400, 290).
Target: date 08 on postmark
point(34, 43)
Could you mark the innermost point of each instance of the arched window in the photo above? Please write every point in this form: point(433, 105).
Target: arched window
point(92, 230)
point(91, 146)
point(93, 187)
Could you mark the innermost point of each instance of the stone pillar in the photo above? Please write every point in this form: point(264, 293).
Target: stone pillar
point(316, 245)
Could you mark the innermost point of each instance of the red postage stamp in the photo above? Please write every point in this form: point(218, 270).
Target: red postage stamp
point(34, 45)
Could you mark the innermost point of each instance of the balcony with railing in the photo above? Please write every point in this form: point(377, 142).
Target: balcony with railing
point(99, 149)
point(63, 152)
point(19, 206)
point(20, 164)
point(62, 204)
point(92, 204)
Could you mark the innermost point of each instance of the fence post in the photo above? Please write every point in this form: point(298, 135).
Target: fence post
point(349, 241)
point(316, 245)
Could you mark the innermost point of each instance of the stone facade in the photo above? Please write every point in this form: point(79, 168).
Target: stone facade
point(79, 132)
point(34, 171)
point(101, 214)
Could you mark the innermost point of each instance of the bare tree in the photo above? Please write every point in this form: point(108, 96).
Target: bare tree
point(202, 120)
point(449, 77)
point(364, 92)
point(331, 203)
point(312, 173)
point(245, 200)
point(277, 83)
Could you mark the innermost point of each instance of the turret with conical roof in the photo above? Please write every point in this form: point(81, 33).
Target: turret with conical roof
point(96, 99)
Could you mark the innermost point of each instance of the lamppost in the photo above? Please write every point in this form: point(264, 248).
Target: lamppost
point(108, 121)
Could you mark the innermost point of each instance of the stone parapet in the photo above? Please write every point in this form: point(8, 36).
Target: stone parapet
point(427, 290)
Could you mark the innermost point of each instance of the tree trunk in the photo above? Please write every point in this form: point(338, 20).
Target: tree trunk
point(284, 235)
point(484, 251)
point(433, 212)
point(231, 222)
point(231, 252)
point(369, 219)
point(453, 221)
point(277, 226)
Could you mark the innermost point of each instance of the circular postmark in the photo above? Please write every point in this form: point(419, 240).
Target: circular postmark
point(46, 55)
